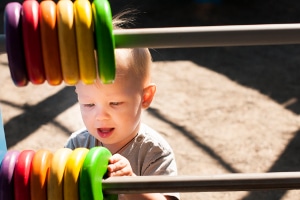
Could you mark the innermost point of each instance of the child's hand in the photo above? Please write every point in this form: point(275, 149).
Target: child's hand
point(119, 166)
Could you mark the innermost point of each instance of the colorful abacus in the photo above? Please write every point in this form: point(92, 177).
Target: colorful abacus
point(78, 174)
point(40, 40)
point(42, 175)
point(55, 42)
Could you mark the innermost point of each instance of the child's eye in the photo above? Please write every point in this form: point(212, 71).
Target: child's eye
point(88, 105)
point(115, 103)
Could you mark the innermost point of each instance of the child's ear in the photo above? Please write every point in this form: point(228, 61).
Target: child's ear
point(148, 94)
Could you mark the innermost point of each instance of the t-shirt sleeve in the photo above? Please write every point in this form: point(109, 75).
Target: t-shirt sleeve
point(80, 138)
point(70, 144)
point(160, 163)
point(164, 165)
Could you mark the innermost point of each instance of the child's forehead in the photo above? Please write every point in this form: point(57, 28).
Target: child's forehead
point(123, 55)
point(120, 88)
point(126, 69)
point(125, 66)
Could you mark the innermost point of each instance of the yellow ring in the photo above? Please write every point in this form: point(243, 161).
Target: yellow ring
point(56, 174)
point(67, 42)
point(72, 170)
point(85, 40)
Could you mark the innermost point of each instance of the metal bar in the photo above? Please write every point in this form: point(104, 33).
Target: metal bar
point(206, 36)
point(225, 182)
point(209, 36)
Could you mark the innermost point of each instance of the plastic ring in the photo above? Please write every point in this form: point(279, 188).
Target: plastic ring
point(38, 178)
point(14, 44)
point(104, 40)
point(6, 175)
point(56, 174)
point(67, 42)
point(32, 42)
point(72, 170)
point(49, 40)
point(22, 175)
point(85, 40)
point(92, 172)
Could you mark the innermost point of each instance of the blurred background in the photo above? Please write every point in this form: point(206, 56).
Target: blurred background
point(222, 109)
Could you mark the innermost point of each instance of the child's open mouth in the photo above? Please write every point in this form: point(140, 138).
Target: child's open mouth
point(105, 132)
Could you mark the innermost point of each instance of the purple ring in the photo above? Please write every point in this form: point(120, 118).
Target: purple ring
point(14, 43)
point(6, 175)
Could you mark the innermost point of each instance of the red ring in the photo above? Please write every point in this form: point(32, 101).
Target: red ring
point(22, 175)
point(32, 42)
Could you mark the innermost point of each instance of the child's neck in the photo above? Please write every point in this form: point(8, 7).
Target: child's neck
point(113, 148)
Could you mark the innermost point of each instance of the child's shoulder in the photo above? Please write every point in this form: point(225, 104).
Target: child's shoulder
point(80, 132)
point(81, 138)
point(152, 137)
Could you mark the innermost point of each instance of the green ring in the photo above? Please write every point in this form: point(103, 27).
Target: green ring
point(93, 169)
point(105, 43)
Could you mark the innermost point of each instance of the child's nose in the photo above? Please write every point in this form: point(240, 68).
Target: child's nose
point(102, 114)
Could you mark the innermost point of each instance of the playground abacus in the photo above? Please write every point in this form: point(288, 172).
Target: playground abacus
point(76, 30)
point(56, 42)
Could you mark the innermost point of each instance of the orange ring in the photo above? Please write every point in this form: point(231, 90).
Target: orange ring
point(38, 179)
point(49, 40)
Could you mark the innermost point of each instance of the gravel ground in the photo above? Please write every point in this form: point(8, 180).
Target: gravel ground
point(223, 110)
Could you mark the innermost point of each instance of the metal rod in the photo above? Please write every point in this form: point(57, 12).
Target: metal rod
point(225, 182)
point(206, 36)
point(209, 36)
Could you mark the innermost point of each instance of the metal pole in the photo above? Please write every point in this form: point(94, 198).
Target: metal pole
point(209, 36)
point(225, 182)
point(206, 36)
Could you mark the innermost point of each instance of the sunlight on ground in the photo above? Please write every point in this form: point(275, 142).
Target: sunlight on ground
point(214, 125)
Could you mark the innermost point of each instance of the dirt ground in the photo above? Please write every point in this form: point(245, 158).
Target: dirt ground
point(223, 109)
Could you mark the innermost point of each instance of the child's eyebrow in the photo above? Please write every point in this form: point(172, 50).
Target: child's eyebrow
point(80, 96)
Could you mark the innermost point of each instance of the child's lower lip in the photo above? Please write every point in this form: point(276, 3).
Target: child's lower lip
point(105, 134)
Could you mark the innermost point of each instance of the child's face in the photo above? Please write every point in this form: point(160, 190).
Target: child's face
point(111, 112)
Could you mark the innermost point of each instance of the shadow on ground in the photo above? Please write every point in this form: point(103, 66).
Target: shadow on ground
point(272, 70)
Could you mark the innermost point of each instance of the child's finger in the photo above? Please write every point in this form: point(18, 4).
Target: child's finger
point(116, 166)
point(119, 166)
point(115, 158)
point(123, 172)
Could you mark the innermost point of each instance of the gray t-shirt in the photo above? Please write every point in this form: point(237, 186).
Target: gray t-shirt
point(149, 153)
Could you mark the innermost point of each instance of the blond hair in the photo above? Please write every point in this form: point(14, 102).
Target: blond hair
point(140, 60)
